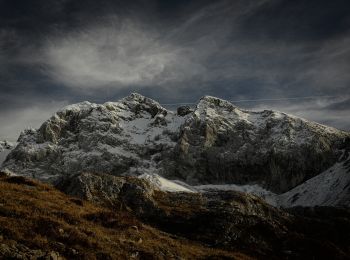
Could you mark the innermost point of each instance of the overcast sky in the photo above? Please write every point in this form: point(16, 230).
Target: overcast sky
point(56, 52)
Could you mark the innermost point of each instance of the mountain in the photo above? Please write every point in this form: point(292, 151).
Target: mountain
point(116, 138)
point(109, 217)
point(221, 143)
point(131, 179)
point(213, 145)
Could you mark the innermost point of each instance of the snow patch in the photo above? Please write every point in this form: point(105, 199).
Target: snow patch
point(163, 184)
point(254, 189)
point(330, 188)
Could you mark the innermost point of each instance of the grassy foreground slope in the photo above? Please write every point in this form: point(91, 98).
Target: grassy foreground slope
point(39, 222)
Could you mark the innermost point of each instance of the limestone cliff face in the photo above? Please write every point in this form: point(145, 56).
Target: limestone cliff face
point(215, 143)
point(220, 143)
point(125, 137)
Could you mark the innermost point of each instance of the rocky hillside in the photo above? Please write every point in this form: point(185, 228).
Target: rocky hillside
point(215, 143)
point(330, 188)
point(128, 218)
point(228, 220)
point(39, 222)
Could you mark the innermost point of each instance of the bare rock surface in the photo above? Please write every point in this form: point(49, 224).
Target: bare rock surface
point(215, 144)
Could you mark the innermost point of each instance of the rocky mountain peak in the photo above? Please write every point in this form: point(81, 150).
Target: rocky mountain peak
point(138, 98)
point(138, 103)
point(214, 102)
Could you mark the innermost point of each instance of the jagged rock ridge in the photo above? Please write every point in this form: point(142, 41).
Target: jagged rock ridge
point(215, 143)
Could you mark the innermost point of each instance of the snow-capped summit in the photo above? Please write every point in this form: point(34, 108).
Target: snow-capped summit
point(215, 143)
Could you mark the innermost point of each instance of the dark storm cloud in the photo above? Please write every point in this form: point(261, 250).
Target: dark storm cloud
point(299, 20)
point(57, 52)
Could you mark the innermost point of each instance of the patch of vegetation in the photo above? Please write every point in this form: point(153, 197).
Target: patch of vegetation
point(36, 216)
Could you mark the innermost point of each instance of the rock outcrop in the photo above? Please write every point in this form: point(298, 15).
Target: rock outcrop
point(220, 219)
point(184, 110)
point(18, 251)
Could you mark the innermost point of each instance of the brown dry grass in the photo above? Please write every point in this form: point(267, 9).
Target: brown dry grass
point(41, 217)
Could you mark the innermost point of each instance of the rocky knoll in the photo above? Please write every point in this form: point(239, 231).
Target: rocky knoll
point(215, 143)
point(38, 222)
point(228, 220)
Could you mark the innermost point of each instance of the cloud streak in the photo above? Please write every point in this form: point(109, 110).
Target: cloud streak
point(121, 52)
point(118, 52)
point(322, 110)
point(119, 55)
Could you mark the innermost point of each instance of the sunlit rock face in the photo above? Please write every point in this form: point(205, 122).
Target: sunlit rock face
point(215, 143)
point(220, 143)
point(125, 137)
